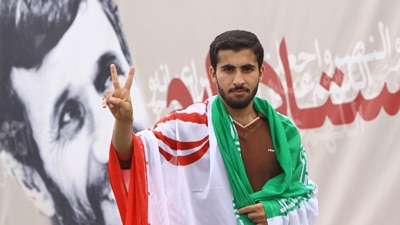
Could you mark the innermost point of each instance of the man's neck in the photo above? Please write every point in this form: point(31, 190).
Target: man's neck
point(242, 116)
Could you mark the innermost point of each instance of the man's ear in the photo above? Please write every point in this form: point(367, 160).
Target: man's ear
point(213, 74)
point(262, 70)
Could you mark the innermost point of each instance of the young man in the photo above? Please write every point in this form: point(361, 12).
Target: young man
point(54, 136)
point(229, 160)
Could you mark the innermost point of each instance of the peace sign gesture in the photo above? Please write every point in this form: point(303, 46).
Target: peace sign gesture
point(119, 101)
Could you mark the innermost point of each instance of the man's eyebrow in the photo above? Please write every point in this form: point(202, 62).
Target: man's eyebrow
point(245, 66)
point(227, 66)
point(248, 66)
point(103, 70)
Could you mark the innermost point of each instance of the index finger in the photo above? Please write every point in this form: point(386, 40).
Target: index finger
point(246, 209)
point(114, 76)
point(129, 79)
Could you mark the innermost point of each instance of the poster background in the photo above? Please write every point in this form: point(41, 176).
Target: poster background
point(354, 164)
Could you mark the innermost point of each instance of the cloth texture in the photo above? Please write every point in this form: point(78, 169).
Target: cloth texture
point(290, 184)
point(179, 176)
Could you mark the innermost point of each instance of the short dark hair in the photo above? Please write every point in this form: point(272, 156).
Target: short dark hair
point(236, 40)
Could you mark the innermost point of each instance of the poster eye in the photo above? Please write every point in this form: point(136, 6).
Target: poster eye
point(71, 118)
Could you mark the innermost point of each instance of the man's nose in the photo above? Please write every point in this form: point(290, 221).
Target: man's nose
point(238, 79)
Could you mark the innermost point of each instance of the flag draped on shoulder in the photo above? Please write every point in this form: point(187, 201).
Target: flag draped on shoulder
point(293, 184)
point(182, 172)
point(133, 206)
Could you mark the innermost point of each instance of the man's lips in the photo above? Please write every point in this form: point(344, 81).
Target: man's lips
point(238, 90)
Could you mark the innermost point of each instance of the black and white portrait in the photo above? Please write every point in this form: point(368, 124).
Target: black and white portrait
point(54, 134)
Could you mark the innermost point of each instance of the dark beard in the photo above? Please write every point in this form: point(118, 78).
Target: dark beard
point(237, 103)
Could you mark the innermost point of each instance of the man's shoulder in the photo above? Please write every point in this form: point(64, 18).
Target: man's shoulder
point(286, 121)
point(198, 107)
point(194, 113)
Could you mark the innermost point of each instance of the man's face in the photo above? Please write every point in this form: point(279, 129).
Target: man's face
point(237, 77)
point(63, 102)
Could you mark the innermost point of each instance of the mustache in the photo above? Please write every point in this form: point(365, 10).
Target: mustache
point(239, 88)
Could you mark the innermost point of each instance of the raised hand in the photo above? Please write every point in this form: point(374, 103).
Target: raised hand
point(119, 100)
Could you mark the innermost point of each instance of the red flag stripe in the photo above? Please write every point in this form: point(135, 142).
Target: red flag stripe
point(179, 145)
point(187, 159)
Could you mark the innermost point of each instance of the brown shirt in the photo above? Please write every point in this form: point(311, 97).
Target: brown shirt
point(258, 152)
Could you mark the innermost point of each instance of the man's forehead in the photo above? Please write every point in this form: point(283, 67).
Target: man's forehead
point(241, 58)
point(228, 53)
point(229, 65)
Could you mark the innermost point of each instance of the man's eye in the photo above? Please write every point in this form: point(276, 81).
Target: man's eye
point(228, 69)
point(72, 118)
point(248, 69)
